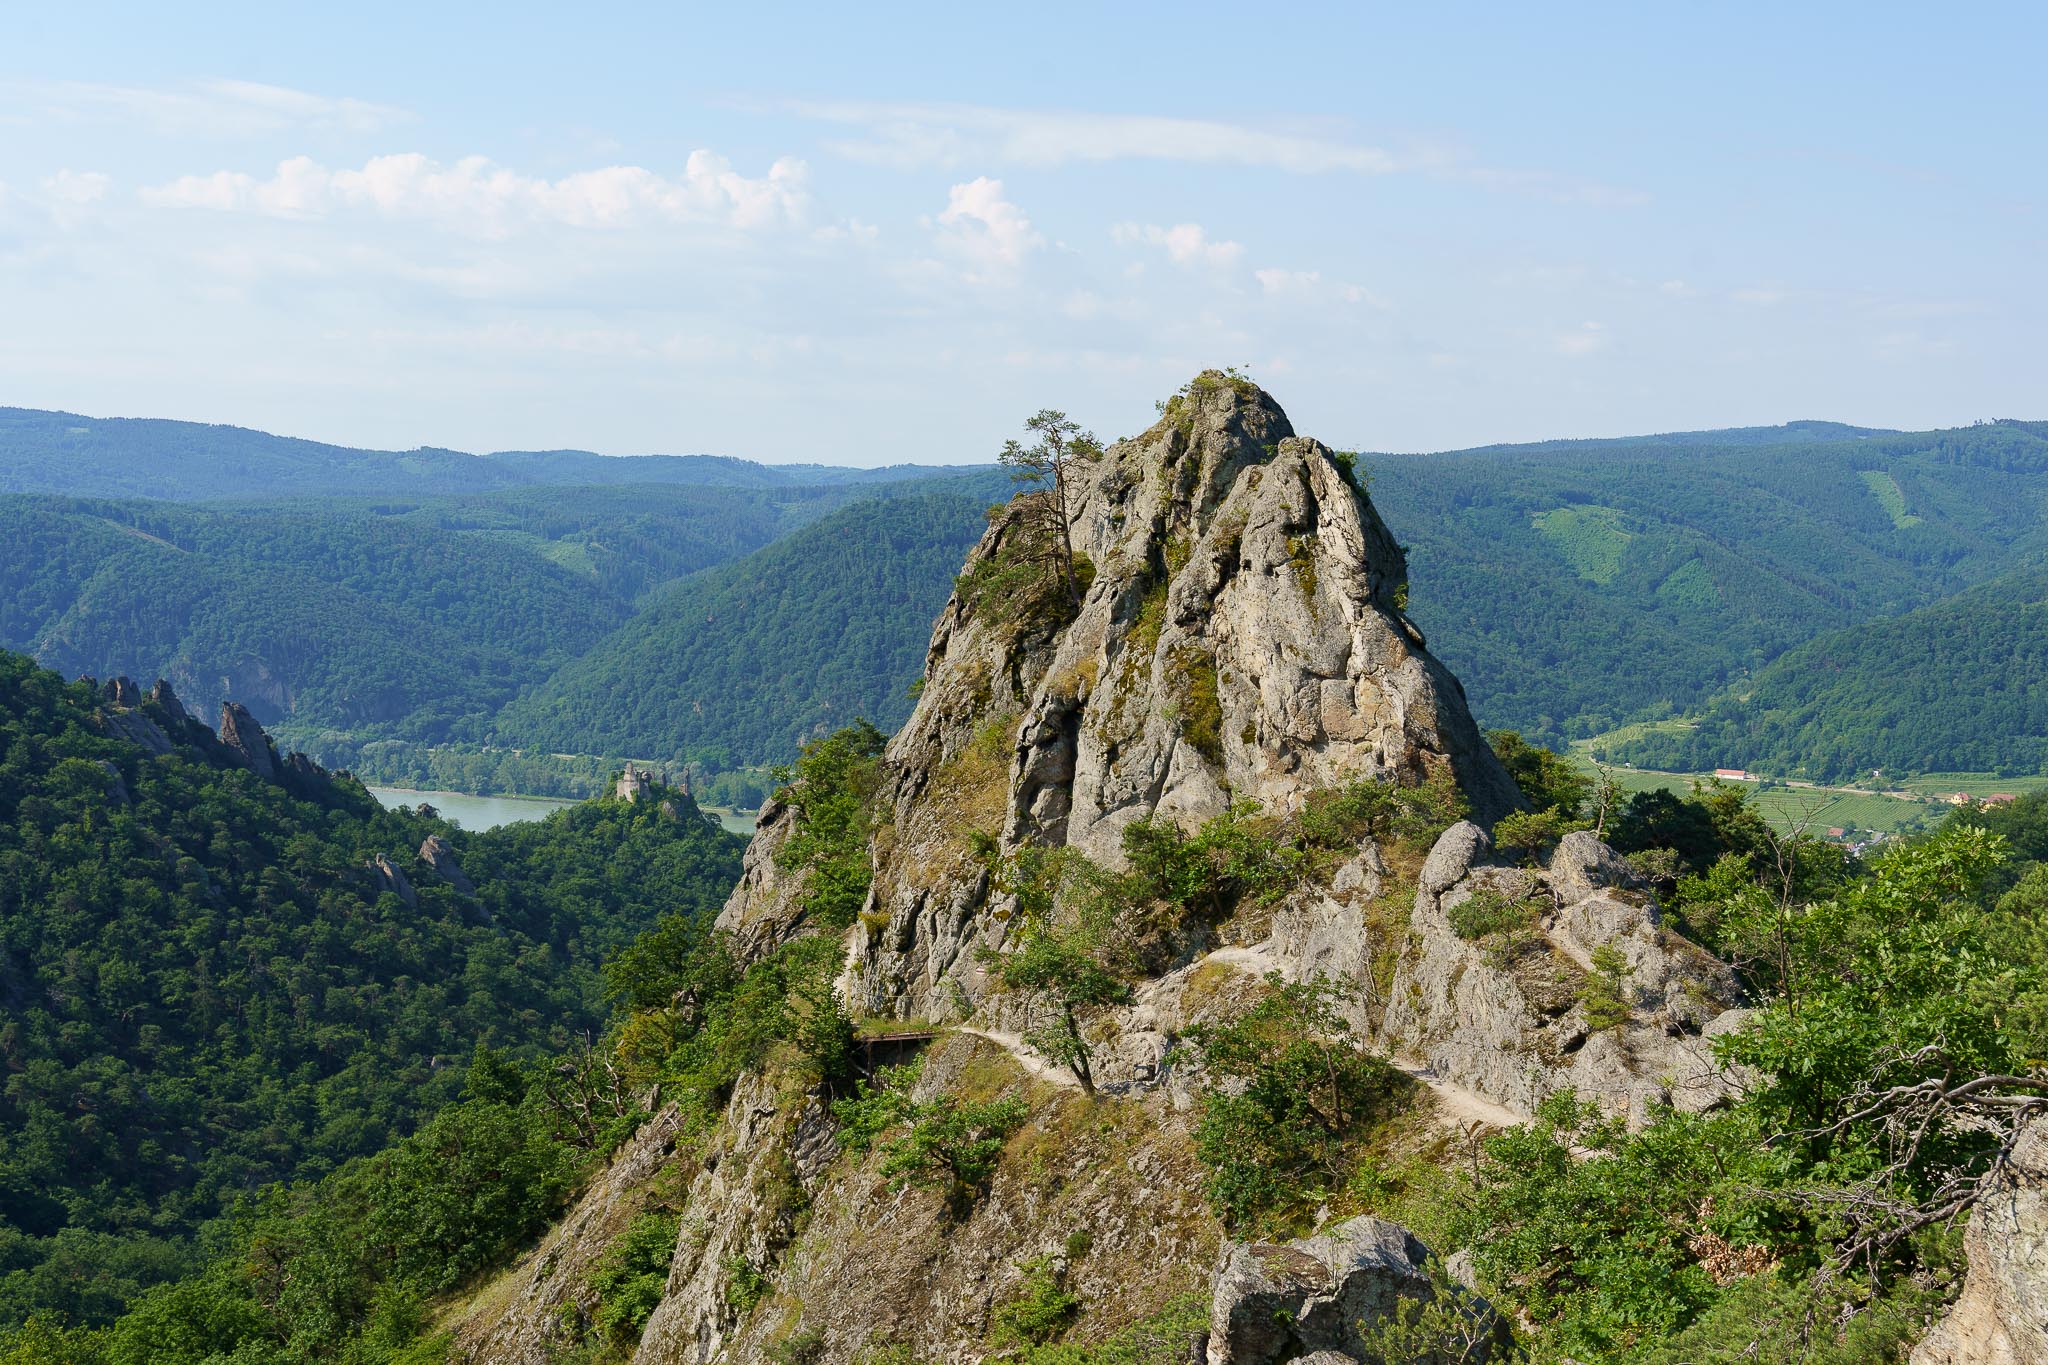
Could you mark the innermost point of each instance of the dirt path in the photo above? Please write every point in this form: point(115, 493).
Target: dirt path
point(1458, 1102)
point(1020, 1051)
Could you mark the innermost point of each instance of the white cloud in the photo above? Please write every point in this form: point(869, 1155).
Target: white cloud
point(987, 229)
point(1183, 243)
point(217, 107)
point(477, 195)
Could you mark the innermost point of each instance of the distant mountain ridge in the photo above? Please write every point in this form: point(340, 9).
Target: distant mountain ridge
point(146, 457)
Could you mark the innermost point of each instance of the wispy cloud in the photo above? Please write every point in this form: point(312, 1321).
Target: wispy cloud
point(1183, 243)
point(919, 135)
point(914, 136)
point(216, 107)
point(475, 195)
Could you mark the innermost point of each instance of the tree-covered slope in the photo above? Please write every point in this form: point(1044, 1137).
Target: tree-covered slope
point(1961, 686)
point(205, 986)
point(411, 618)
point(740, 664)
point(1576, 585)
point(62, 452)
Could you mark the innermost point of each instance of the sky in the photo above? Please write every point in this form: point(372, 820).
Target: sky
point(873, 234)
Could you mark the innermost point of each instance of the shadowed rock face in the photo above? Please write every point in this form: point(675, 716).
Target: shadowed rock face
point(1241, 638)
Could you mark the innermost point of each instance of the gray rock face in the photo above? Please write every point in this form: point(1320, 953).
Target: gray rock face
point(245, 738)
point(390, 878)
point(1241, 638)
point(134, 727)
point(436, 854)
point(1509, 1021)
point(1319, 1297)
point(2001, 1317)
point(122, 692)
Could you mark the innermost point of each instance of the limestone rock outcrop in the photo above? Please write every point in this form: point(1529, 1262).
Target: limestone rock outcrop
point(247, 741)
point(1509, 1018)
point(2001, 1317)
point(438, 856)
point(1320, 1298)
point(390, 878)
point(1241, 638)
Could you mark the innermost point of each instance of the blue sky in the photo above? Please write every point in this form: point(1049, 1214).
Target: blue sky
point(868, 234)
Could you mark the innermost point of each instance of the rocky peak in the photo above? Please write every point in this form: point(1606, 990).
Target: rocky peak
point(246, 739)
point(1241, 636)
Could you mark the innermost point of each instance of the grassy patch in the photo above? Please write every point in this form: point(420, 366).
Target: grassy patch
point(1589, 536)
point(1889, 496)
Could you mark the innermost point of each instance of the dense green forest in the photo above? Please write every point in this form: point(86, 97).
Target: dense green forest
point(127, 457)
point(408, 620)
point(1959, 686)
point(1798, 1223)
point(739, 665)
point(1574, 586)
point(208, 987)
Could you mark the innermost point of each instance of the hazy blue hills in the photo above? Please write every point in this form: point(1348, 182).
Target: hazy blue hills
point(62, 452)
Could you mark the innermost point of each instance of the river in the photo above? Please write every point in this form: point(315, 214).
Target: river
point(488, 812)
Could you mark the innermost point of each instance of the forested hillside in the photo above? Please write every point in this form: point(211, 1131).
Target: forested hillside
point(410, 619)
point(208, 985)
point(62, 452)
point(1961, 686)
point(1576, 585)
point(740, 664)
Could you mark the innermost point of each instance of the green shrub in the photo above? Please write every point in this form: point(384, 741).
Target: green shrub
point(1605, 994)
point(831, 787)
point(631, 1277)
point(746, 1284)
point(946, 1143)
point(1041, 1311)
point(1485, 912)
point(1289, 1093)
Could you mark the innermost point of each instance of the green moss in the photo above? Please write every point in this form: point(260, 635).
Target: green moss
point(1301, 557)
point(1201, 702)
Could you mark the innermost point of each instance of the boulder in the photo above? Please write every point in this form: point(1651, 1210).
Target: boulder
point(134, 727)
point(1455, 852)
point(2001, 1317)
point(122, 692)
point(436, 854)
point(390, 878)
point(1322, 1294)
